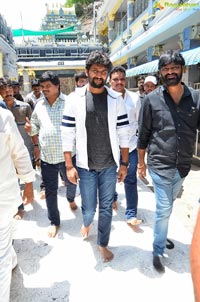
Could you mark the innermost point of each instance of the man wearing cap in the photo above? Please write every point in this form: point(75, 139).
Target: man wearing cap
point(150, 84)
point(168, 120)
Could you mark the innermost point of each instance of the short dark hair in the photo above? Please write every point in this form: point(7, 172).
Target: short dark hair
point(50, 76)
point(15, 84)
point(35, 82)
point(98, 57)
point(5, 82)
point(141, 78)
point(118, 68)
point(80, 75)
point(171, 57)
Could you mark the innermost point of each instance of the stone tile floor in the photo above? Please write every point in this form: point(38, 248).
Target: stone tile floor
point(67, 268)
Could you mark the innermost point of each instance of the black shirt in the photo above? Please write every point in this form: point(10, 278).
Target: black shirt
point(19, 97)
point(98, 141)
point(168, 131)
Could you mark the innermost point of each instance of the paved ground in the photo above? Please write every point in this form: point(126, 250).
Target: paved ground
point(69, 269)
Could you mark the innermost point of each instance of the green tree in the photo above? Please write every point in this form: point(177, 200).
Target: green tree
point(80, 5)
point(81, 2)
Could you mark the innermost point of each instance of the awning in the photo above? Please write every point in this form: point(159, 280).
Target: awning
point(143, 69)
point(26, 32)
point(192, 57)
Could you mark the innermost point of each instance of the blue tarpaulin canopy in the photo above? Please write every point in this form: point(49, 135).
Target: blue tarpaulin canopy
point(26, 32)
point(192, 57)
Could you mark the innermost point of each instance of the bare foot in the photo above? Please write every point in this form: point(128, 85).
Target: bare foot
point(115, 205)
point(106, 254)
point(19, 215)
point(136, 228)
point(64, 183)
point(85, 231)
point(134, 221)
point(52, 231)
point(42, 194)
point(73, 206)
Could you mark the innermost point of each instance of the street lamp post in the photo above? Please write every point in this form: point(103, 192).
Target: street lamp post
point(96, 5)
point(94, 18)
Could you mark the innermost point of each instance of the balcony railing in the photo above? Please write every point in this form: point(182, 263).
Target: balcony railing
point(66, 50)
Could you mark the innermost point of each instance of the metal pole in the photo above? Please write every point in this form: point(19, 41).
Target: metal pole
point(22, 27)
point(94, 17)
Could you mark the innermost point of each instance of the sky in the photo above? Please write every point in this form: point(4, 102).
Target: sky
point(28, 13)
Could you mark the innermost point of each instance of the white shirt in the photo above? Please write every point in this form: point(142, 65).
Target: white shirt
point(14, 162)
point(76, 134)
point(32, 100)
point(133, 104)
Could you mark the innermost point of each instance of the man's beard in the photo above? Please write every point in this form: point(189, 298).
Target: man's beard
point(172, 81)
point(94, 85)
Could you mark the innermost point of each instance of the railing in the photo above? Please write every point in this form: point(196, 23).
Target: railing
point(67, 52)
point(53, 43)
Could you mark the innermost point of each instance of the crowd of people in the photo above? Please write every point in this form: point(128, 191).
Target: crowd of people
point(98, 135)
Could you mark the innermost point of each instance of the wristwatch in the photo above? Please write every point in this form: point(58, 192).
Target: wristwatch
point(123, 163)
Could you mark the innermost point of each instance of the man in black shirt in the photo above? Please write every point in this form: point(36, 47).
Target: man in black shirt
point(168, 121)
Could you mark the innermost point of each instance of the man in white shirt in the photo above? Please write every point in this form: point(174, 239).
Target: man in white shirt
point(20, 111)
point(140, 85)
point(95, 123)
point(81, 79)
point(14, 163)
point(132, 103)
point(35, 95)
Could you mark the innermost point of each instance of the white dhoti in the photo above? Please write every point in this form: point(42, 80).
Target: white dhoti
point(10, 199)
point(8, 257)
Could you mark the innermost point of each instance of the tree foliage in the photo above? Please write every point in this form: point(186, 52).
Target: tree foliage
point(80, 6)
point(81, 2)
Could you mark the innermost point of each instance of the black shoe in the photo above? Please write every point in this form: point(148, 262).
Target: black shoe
point(169, 244)
point(158, 265)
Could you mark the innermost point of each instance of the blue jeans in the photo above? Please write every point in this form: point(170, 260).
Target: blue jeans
point(70, 187)
point(50, 179)
point(130, 186)
point(166, 191)
point(101, 183)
